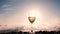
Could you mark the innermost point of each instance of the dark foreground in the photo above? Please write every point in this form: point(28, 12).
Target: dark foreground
point(40, 32)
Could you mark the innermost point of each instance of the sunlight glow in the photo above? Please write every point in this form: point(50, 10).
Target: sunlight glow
point(34, 13)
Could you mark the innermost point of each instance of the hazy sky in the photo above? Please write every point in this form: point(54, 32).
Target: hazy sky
point(16, 12)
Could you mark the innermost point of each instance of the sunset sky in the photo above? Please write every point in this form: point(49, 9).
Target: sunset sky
point(15, 13)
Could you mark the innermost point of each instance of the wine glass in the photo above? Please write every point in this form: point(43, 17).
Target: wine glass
point(31, 19)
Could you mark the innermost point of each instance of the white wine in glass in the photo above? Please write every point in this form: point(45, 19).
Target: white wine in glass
point(31, 19)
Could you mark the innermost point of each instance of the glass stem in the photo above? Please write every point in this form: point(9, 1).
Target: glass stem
point(31, 29)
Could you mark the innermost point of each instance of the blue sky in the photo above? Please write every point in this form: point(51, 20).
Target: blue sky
point(12, 11)
point(14, 4)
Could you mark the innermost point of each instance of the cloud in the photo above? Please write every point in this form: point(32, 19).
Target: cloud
point(7, 7)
